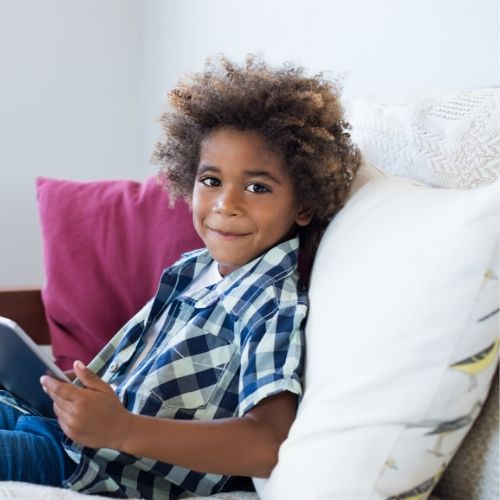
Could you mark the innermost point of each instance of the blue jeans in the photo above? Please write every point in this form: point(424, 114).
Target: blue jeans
point(31, 448)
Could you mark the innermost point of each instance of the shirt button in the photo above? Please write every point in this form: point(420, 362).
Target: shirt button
point(113, 367)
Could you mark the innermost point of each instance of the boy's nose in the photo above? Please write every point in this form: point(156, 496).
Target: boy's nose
point(228, 202)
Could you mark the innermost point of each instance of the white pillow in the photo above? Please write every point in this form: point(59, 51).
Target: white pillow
point(447, 139)
point(399, 289)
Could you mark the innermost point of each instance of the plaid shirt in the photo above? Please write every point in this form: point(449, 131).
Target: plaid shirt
point(221, 350)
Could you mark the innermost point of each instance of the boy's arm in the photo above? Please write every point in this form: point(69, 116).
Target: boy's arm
point(246, 446)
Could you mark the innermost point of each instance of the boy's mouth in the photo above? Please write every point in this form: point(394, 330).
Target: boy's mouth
point(227, 234)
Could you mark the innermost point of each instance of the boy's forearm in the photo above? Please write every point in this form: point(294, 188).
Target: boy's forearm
point(233, 446)
point(246, 446)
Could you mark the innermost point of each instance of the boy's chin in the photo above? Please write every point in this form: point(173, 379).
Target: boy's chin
point(228, 265)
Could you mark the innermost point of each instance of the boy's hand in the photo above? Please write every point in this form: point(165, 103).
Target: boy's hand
point(91, 415)
point(70, 374)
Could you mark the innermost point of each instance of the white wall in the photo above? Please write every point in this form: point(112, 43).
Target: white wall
point(70, 107)
point(378, 46)
point(83, 80)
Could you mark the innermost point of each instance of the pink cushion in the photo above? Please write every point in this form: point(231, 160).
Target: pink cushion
point(105, 246)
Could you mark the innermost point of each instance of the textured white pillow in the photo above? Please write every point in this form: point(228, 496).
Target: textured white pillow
point(401, 343)
point(448, 139)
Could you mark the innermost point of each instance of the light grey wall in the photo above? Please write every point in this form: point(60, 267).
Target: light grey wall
point(83, 80)
point(70, 107)
point(377, 46)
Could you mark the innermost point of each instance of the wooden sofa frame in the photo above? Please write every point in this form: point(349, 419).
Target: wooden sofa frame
point(25, 307)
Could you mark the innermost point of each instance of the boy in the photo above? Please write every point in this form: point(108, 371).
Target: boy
point(204, 380)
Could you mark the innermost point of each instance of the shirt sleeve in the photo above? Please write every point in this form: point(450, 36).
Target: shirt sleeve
point(272, 356)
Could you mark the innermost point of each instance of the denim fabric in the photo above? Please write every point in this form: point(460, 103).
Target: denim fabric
point(31, 448)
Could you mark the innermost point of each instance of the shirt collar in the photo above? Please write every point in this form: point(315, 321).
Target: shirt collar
point(277, 263)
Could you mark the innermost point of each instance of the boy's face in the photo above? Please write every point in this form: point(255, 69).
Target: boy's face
point(243, 200)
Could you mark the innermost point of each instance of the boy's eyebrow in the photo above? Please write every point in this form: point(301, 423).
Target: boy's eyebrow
point(207, 168)
point(261, 173)
point(249, 173)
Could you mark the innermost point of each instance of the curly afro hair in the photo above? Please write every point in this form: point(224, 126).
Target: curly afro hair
point(300, 116)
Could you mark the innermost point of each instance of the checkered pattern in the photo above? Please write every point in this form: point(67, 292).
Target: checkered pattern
point(221, 350)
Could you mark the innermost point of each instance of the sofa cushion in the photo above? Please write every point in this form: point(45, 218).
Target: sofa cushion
point(401, 343)
point(105, 246)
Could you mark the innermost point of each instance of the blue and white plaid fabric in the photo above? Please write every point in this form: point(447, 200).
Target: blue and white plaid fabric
point(221, 350)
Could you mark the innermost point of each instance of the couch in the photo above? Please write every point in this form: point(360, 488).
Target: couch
point(441, 144)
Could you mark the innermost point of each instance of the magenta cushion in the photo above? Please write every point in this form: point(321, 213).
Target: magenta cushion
point(105, 246)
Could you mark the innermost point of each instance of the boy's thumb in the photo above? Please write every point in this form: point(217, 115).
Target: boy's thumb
point(89, 378)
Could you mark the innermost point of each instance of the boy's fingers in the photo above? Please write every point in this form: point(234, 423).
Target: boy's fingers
point(89, 378)
point(57, 389)
point(62, 408)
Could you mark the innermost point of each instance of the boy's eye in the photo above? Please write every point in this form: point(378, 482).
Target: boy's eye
point(210, 181)
point(257, 188)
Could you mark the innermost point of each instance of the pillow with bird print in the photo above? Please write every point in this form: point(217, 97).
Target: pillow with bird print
point(402, 343)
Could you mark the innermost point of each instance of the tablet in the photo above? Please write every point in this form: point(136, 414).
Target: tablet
point(22, 363)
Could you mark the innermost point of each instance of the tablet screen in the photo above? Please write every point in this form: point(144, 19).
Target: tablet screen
point(22, 363)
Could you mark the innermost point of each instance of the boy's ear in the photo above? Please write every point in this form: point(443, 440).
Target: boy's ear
point(304, 216)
